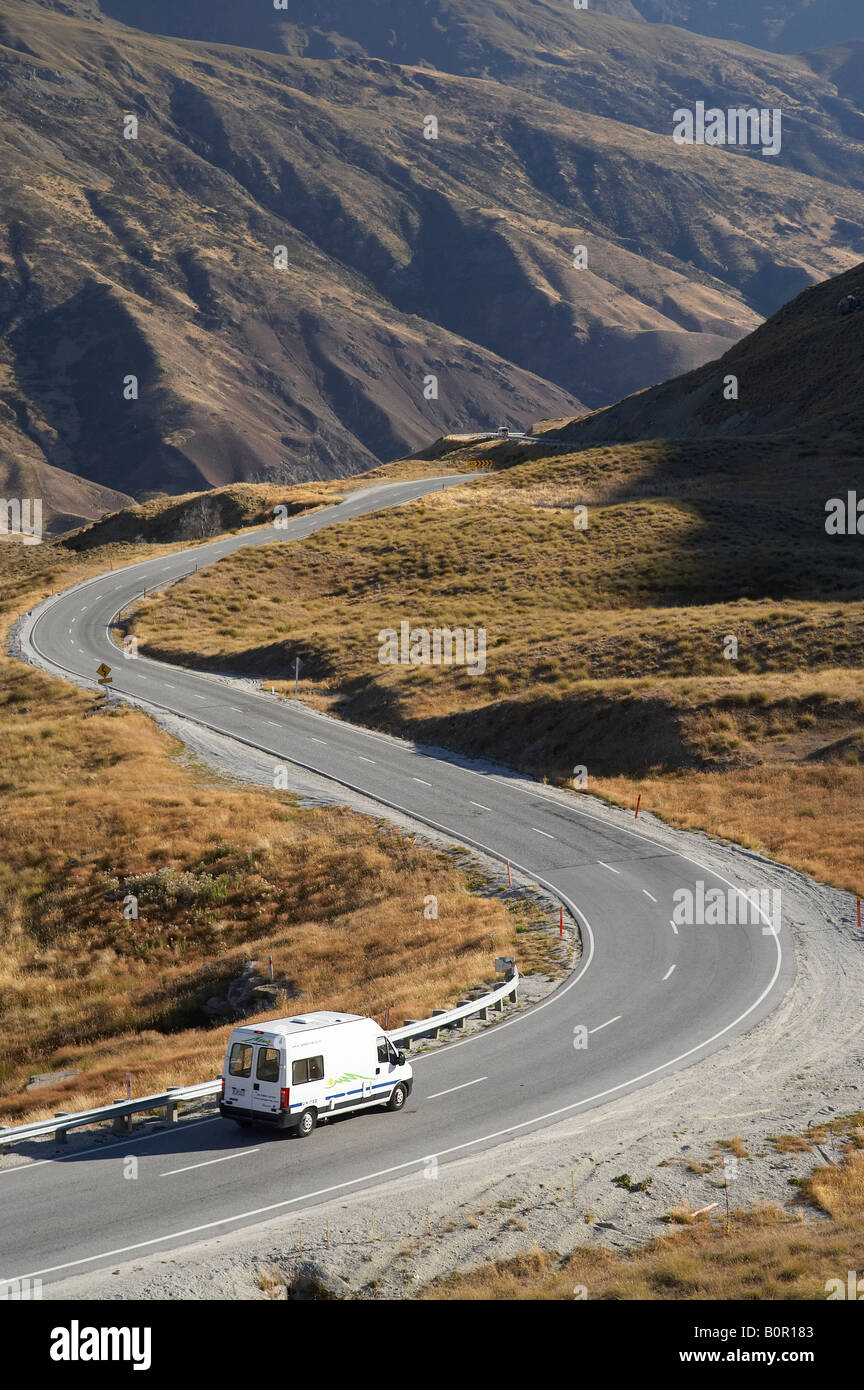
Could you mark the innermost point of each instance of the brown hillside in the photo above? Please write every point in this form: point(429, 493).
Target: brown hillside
point(799, 373)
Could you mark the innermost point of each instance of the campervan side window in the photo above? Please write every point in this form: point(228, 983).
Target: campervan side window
point(241, 1060)
point(268, 1064)
point(307, 1069)
point(383, 1055)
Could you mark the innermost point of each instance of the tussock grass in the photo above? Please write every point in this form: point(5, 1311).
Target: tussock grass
point(199, 516)
point(768, 1254)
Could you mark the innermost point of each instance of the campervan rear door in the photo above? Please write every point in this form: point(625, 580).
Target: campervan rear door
point(239, 1066)
point(266, 1078)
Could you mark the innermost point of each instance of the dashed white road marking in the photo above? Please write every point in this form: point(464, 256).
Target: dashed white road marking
point(272, 723)
point(235, 709)
point(606, 1024)
point(451, 1089)
point(361, 759)
point(542, 832)
point(649, 895)
point(317, 740)
point(480, 804)
point(673, 926)
point(608, 866)
point(668, 972)
point(225, 1159)
point(420, 779)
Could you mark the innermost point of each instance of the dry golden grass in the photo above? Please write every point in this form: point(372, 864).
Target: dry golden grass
point(605, 647)
point(767, 1254)
point(196, 516)
point(95, 805)
point(809, 816)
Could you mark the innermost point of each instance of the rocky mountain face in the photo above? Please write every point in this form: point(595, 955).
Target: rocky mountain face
point(225, 263)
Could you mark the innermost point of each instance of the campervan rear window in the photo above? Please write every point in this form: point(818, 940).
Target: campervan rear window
point(268, 1064)
point(240, 1063)
point(307, 1069)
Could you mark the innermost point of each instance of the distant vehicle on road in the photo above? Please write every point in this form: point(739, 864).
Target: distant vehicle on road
point(503, 432)
point(291, 1072)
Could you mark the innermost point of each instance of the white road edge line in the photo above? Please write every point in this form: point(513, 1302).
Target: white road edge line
point(451, 1089)
point(604, 1025)
point(244, 1153)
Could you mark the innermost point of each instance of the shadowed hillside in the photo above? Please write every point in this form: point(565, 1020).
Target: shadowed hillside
point(798, 374)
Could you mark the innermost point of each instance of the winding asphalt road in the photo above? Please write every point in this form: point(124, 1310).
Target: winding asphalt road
point(653, 998)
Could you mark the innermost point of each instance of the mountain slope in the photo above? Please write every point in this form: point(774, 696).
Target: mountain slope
point(800, 373)
point(154, 258)
point(398, 30)
point(786, 26)
point(405, 258)
point(67, 500)
point(591, 61)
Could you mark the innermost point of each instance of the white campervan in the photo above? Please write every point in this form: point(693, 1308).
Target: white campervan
point(291, 1072)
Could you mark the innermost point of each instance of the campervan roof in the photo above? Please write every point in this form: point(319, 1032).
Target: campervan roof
point(302, 1023)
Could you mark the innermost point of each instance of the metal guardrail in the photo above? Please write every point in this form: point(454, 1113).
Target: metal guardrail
point(450, 1018)
point(77, 1119)
point(170, 1100)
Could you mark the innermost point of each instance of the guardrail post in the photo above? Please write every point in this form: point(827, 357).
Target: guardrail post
point(433, 1032)
point(460, 1022)
point(121, 1124)
point(62, 1135)
point(172, 1109)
